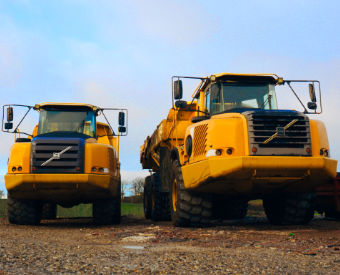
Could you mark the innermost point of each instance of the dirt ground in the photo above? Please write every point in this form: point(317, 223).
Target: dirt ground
point(251, 246)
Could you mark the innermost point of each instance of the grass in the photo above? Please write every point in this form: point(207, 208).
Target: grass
point(133, 209)
point(84, 210)
point(79, 211)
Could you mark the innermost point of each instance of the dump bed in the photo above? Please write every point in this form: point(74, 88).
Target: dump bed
point(170, 132)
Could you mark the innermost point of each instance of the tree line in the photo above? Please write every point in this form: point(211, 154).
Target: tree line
point(133, 190)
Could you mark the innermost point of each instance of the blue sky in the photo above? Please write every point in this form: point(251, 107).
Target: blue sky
point(123, 53)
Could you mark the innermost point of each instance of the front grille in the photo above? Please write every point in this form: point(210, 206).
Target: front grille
point(292, 141)
point(200, 139)
point(71, 161)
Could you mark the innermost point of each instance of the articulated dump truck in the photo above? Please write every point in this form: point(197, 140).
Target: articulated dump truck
point(230, 144)
point(69, 158)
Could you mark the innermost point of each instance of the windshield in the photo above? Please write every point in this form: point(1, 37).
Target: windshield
point(228, 96)
point(66, 120)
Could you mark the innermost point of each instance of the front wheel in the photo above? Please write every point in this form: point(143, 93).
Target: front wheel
point(108, 211)
point(159, 201)
point(26, 212)
point(188, 208)
point(295, 208)
point(147, 197)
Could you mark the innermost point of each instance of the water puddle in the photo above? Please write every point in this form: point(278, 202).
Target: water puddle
point(133, 247)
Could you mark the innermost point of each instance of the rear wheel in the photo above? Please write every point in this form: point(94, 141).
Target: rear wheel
point(160, 208)
point(188, 208)
point(147, 197)
point(108, 211)
point(295, 208)
point(23, 211)
point(333, 214)
point(49, 211)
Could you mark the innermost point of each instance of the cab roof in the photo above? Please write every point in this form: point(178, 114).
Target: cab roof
point(56, 104)
point(232, 77)
point(272, 78)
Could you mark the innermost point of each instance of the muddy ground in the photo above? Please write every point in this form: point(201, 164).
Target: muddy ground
point(251, 246)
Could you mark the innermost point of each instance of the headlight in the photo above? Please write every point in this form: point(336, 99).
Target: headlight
point(188, 145)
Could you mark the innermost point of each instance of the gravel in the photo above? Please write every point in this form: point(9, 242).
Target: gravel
point(138, 246)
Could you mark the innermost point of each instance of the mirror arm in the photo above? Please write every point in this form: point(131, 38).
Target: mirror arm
point(113, 132)
point(18, 132)
point(288, 82)
point(15, 129)
point(319, 98)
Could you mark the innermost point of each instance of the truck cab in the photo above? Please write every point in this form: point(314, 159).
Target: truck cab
point(69, 158)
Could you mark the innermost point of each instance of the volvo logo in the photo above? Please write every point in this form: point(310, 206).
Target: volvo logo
point(56, 155)
point(280, 131)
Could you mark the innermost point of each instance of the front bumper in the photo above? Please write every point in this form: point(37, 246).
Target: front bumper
point(61, 187)
point(258, 174)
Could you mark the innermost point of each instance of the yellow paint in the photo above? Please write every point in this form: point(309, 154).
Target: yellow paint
point(202, 102)
point(319, 137)
point(224, 131)
point(247, 170)
point(44, 104)
point(20, 156)
point(225, 74)
point(35, 130)
point(34, 185)
point(100, 155)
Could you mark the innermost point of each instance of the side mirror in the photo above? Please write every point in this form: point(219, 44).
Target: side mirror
point(8, 125)
point(9, 114)
point(181, 104)
point(122, 129)
point(312, 105)
point(312, 93)
point(121, 120)
point(178, 89)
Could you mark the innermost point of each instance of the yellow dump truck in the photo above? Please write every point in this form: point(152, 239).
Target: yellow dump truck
point(69, 158)
point(230, 144)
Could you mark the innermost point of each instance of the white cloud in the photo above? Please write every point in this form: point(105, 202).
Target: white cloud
point(11, 65)
point(129, 176)
point(176, 22)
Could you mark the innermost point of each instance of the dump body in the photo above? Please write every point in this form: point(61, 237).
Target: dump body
point(230, 141)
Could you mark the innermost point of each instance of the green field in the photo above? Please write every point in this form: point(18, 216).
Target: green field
point(85, 210)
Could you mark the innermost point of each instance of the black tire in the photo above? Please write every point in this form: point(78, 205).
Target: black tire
point(188, 208)
point(26, 212)
point(332, 214)
point(229, 208)
point(290, 209)
point(160, 206)
point(49, 211)
point(107, 211)
point(147, 197)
